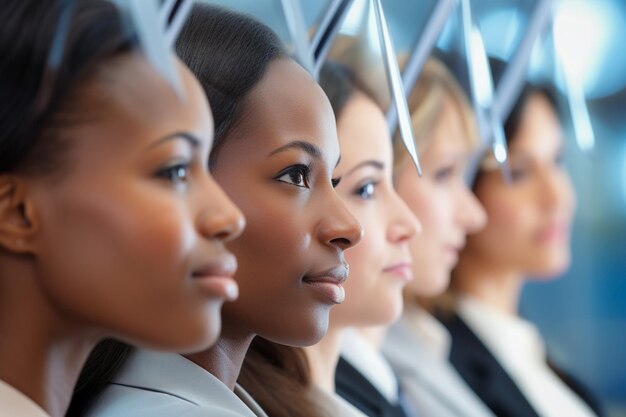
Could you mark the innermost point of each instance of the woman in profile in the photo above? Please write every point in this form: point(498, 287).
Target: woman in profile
point(110, 225)
point(418, 345)
point(500, 355)
point(294, 382)
point(381, 266)
point(275, 151)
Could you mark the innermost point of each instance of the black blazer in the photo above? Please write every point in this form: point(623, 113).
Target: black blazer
point(484, 374)
point(352, 386)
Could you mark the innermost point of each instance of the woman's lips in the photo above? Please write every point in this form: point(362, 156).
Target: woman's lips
point(553, 234)
point(328, 283)
point(401, 270)
point(215, 278)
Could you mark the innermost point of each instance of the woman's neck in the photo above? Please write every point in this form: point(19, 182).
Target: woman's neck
point(40, 354)
point(225, 358)
point(499, 288)
point(374, 335)
point(323, 358)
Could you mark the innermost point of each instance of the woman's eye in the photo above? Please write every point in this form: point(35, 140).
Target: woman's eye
point(297, 175)
point(559, 160)
point(176, 174)
point(518, 174)
point(366, 191)
point(444, 174)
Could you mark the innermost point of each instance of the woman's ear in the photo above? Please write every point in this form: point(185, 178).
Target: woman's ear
point(18, 225)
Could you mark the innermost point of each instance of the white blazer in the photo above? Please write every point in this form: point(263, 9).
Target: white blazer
point(155, 384)
point(430, 383)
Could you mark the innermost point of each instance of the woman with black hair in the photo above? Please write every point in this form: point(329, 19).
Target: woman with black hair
point(110, 225)
point(275, 151)
point(502, 356)
point(380, 266)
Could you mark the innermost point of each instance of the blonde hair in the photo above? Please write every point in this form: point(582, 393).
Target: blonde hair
point(435, 86)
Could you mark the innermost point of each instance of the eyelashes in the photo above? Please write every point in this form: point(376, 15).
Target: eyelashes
point(176, 174)
point(297, 175)
point(366, 191)
point(444, 174)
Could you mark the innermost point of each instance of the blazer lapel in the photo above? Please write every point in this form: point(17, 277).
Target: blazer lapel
point(439, 381)
point(179, 377)
point(483, 373)
point(358, 391)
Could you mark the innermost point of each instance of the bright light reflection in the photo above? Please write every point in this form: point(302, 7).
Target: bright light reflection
point(582, 36)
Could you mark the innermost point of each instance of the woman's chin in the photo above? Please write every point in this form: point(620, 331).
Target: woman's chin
point(300, 334)
point(430, 286)
point(550, 266)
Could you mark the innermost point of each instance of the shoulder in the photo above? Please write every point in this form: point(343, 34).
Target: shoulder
point(129, 401)
point(121, 400)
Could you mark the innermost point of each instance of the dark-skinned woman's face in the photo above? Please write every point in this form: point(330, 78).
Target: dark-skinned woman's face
point(130, 239)
point(277, 167)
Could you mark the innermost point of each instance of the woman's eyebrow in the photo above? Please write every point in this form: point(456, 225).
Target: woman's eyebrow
point(299, 144)
point(189, 137)
point(371, 163)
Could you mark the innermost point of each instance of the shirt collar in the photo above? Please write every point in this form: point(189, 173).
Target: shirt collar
point(370, 363)
point(510, 338)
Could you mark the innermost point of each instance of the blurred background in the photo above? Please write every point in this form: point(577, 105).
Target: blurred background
point(579, 46)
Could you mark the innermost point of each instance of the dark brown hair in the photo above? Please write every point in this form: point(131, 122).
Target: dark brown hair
point(229, 53)
point(512, 122)
point(277, 376)
point(39, 99)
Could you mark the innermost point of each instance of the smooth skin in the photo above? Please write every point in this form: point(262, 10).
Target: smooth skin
point(127, 241)
point(381, 265)
point(278, 167)
point(442, 201)
point(528, 232)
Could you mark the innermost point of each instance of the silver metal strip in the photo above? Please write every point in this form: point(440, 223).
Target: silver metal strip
point(514, 75)
point(179, 20)
point(395, 82)
point(144, 15)
point(442, 12)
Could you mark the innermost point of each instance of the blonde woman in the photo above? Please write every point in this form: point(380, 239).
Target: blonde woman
point(418, 345)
